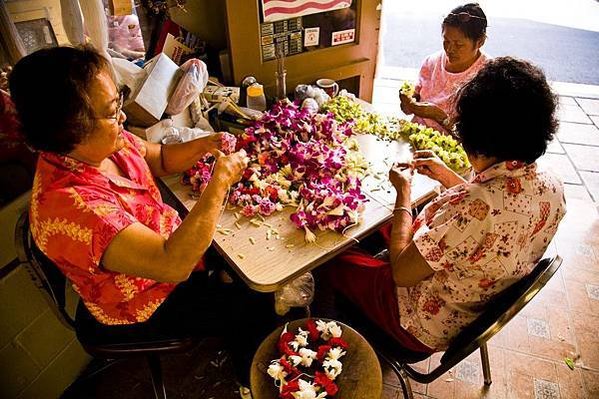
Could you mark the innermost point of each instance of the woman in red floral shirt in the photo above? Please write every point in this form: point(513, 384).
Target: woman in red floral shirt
point(96, 211)
point(479, 236)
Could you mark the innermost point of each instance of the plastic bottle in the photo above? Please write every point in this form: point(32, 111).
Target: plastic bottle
point(255, 97)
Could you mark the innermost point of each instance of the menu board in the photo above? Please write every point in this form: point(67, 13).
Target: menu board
point(286, 35)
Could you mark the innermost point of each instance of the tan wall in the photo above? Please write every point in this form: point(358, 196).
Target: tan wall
point(355, 62)
point(205, 18)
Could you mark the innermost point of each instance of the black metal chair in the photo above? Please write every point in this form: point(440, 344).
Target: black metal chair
point(500, 310)
point(90, 333)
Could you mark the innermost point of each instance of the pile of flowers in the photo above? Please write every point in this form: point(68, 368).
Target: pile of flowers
point(347, 109)
point(391, 128)
point(309, 361)
point(302, 159)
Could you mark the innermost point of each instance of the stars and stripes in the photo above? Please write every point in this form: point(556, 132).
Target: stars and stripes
point(275, 10)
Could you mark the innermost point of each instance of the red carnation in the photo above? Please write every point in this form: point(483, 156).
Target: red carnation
point(288, 389)
point(338, 342)
point(291, 370)
point(322, 351)
point(314, 333)
point(321, 379)
point(283, 344)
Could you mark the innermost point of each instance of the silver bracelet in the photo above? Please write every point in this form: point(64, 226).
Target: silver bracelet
point(403, 208)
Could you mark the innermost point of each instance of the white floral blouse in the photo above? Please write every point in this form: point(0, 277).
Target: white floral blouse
point(479, 238)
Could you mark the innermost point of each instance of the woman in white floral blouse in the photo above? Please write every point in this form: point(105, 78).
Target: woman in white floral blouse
point(479, 236)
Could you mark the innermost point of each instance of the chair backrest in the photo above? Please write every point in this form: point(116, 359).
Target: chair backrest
point(44, 273)
point(500, 310)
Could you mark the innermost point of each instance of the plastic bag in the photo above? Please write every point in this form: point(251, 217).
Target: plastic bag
point(191, 84)
point(297, 293)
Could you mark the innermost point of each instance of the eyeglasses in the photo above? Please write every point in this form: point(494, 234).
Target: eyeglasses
point(119, 108)
point(464, 16)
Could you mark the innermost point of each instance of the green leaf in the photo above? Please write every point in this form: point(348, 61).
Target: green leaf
point(569, 362)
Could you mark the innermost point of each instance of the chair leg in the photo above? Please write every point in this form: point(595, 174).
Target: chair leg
point(402, 376)
point(157, 382)
point(484, 357)
point(405, 384)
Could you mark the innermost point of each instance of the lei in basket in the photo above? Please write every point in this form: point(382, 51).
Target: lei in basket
point(309, 361)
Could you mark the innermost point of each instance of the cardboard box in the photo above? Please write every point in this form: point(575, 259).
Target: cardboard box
point(149, 99)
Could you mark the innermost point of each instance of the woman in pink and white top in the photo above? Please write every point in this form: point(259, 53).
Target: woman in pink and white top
point(444, 72)
point(479, 236)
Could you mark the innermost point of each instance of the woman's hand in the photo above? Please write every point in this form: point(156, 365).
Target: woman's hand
point(428, 111)
point(229, 168)
point(429, 164)
point(406, 103)
point(211, 143)
point(400, 176)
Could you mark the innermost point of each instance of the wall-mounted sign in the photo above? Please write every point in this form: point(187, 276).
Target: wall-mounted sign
point(276, 10)
point(343, 36)
point(311, 37)
point(286, 35)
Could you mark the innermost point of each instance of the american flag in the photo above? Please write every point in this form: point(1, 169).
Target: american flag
point(275, 10)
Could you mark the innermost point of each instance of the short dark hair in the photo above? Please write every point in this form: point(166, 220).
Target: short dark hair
point(50, 91)
point(470, 19)
point(507, 111)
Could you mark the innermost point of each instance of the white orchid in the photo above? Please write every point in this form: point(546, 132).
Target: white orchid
point(321, 325)
point(334, 329)
point(302, 338)
point(295, 360)
point(308, 391)
point(332, 368)
point(308, 356)
point(294, 345)
point(328, 330)
point(276, 371)
point(335, 353)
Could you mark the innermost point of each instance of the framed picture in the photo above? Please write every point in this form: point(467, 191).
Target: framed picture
point(36, 34)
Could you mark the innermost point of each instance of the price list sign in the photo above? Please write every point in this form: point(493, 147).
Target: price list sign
point(286, 34)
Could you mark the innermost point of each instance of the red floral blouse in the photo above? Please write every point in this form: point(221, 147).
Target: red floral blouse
point(479, 238)
point(75, 213)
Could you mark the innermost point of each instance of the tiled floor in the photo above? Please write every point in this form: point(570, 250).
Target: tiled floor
point(527, 357)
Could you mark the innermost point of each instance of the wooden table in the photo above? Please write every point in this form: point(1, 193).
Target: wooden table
point(361, 377)
point(265, 261)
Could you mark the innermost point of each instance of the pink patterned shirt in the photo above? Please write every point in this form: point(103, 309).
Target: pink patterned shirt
point(479, 238)
point(436, 85)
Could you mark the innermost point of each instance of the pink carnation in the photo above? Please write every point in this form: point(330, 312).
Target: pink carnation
point(227, 143)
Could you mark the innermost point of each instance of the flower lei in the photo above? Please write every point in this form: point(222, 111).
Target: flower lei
point(199, 175)
point(301, 159)
point(297, 359)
